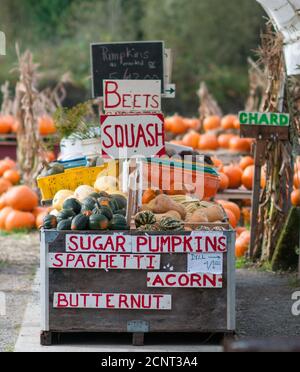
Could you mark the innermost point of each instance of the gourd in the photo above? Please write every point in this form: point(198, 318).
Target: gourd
point(98, 222)
point(145, 218)
point(106, 211)
point(163, 204)
point(80, 222)
point(64, 225)
point(172, 214)
point(151, 227)
point(106, 183)
point(73, 204)
point(60, 197)
point(65, 214)
point(49, 222)
point(170, 224)
point(198, 217)
point(83, 192)
point(118, 223)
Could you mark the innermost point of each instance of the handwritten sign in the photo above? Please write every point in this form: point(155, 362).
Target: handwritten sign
point(112, 301)
point(184, 280)
point(269, 119)
point(132, 95)
point(211, 263)
point(127, 136)
point(113, 243)
point(197, 242)
point(103, 261)
point(126, 61)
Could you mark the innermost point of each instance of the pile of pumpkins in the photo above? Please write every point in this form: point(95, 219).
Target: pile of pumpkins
point(9, 124)
point(86, 209)
point(295, 197)
point(213, 134)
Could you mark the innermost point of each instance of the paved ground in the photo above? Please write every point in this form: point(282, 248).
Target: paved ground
point(263, 303)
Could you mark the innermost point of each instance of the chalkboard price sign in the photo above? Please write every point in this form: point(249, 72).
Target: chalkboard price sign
point(126, 61)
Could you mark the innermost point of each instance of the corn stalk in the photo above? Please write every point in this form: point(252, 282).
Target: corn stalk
point(7, 104)
point(208, 104)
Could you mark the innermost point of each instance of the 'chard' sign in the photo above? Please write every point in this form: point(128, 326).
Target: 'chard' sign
point(268, 119)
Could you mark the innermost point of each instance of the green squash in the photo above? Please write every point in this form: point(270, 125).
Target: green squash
point(105, 211)
point(103, 194)
point(89, 203)
point(170, 224)
point(144, 218)
point(109, 203)
point(49, 222)
point(95, 195)
point(98, 222)
point(120, 200)
point(118, 222)
point(72, 204)
point(55, 169)
point(65, 214)
point(122, 212)
point(80, 222)
point(64, 225)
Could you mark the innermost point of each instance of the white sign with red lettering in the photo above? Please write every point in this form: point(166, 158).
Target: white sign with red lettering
point(132, 95)
point(128, 136)
point(112, 301)
point(103, 261)
point(116, 243)
point(184, 280)
point(208, 263)
point(197, 242)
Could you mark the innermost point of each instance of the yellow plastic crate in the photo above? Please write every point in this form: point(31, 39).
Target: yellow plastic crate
point(72, 178)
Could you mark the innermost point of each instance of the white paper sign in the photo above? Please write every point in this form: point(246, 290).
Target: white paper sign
point(211, 263)
point(112, 301)
point(132, 95)
point(103, 261)
point(184, 280)
point(113, 243)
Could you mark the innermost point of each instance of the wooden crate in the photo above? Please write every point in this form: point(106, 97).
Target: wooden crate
point(193, 310)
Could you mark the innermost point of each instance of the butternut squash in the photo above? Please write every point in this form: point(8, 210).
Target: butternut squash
point(198, 217)
point(163, 204)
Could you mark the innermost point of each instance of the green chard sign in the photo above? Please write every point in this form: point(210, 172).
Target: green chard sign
point(269, 119)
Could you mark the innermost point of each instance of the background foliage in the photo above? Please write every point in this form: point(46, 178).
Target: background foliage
point(211, 40)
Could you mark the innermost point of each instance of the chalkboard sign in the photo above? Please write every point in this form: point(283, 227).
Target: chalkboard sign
point(126, 61)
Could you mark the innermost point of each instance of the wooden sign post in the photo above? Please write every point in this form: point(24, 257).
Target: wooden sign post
point(263, 127)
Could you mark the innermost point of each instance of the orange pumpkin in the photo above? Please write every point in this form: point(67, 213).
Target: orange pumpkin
point(193, 124)
point(150, 195)
point(239, 230)
point(3, 167)
point(39, 219)
point(235, 209)
point(208, 142)
point(17, 220)
point(248, 177)
point(295, 198)
point(5, 185)
point(38, 210)
point(246, 237)
point(239, 144)
point(22, 198)
point(50, 156)
point(168, 124)
point(46, 125)
point(231, 217)
point(237, 124)
point(297, 180)
point(228, 122)
point(217, 163)
point(246, 212)
point(234, 173)
point(191, 139)
point(6, 123)
point(246, 161)
point(247, 203)
point(224, 140)
point(2, 201)
point(15, 127)
point(240, 248)
point(3, 215)
point(12, 176)
point(176, 125)
point(224, 182)
point(211, 123)
point(9, 162)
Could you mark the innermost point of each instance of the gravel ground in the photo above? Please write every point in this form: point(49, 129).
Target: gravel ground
point(263, 299)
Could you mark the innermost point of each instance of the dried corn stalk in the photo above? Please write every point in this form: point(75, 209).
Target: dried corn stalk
point(208, 105)
point(257, 87)
point(7, 104)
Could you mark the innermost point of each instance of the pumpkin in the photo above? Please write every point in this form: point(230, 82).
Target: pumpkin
point(118, 223)
point(3, 215)
point(176, 188)
point(98, 222)
point(64, 225)
point(6, 123)
point(170, 224)
point(224, 140)
point(297, 180)
point(13, 176)
point(4, 166)
point(145, 218)
point(193, 124)
point(239, 230)
point(246, 212)
point(235, 209)
point(237, 124)
point(106, 183)
point(239, 144)
point(60, 197)
point(15, 127)
point(198, 217)
point(248, 177)
point(231, 217)
point(2, 201)
point(46, 125)
point(245, 237)
point(295, 198)
point(5, 185)
point(65, 214)
point(50, 156)
point(245, 162)
point(9, 162)
point(191, 139)
point(240, 248)
point(80, 222)
point(17, 220)
point(208, 142)
point(149, 195)
point(228, 122)
point(73, 204)
point(38, 210)
point(211, 123)
point(49, 222)
point(22, 198)
point(234, 173)
point(176, 125)
point(224, 182)
point(217, 163)
point(83, 192)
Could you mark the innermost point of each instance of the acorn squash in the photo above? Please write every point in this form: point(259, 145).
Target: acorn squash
point(73, 204)
point(89, 203)
point(64, 225)
point(80, 222)
point(120, 200)
point(98, 222)
point(65, 214)
point(49, 222)
point(106, 211)
point(118, 223)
